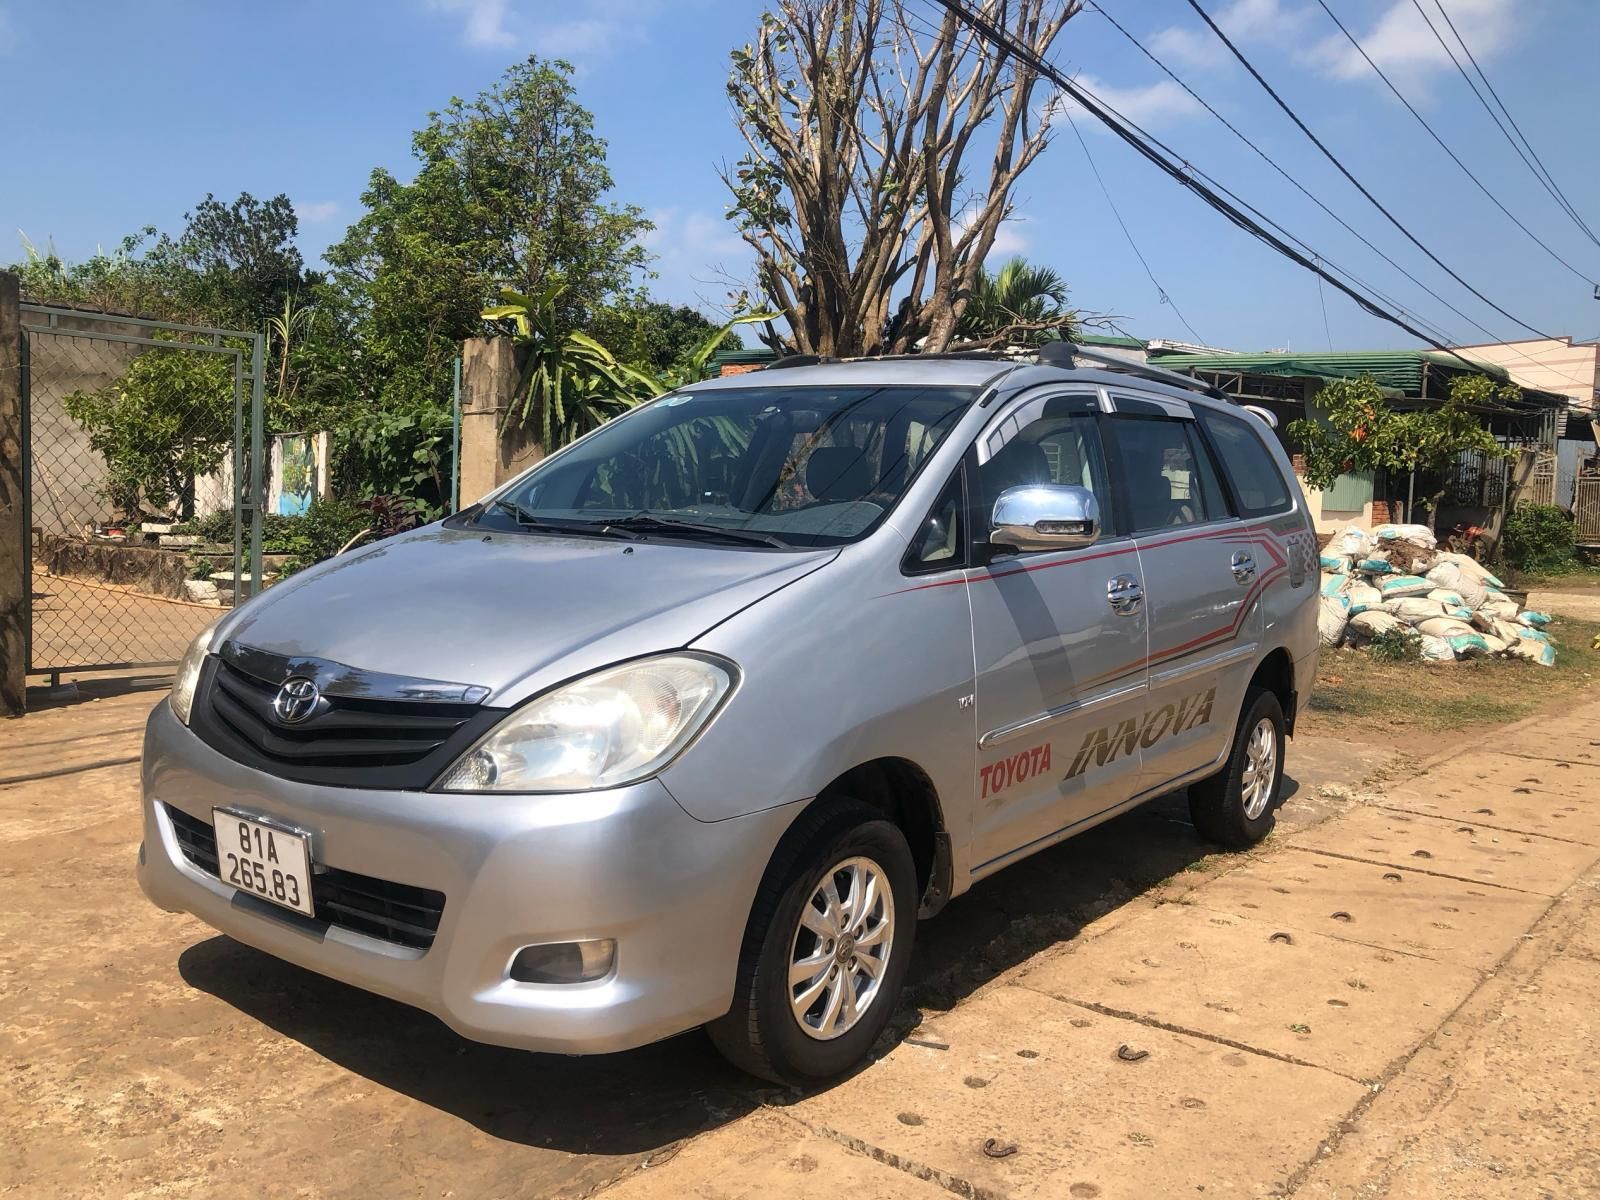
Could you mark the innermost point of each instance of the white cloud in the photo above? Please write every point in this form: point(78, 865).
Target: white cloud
point(528, 24)
point(1145, 105)
point(313, 211)
point(696, 255)
point(8, 35)
point(1009, 239)
point(1402, 44)
point(485, 26)
point(1267, 21)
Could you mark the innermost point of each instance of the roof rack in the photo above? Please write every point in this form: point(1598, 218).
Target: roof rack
point(1066, 354)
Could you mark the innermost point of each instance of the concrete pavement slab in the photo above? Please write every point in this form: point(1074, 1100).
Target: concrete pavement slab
point(1452, 847)
point(1507, 792)
point(1418, 914)
point(1505, 1102)
point(770, 1155)
point(1030, 1098)
point(1316, 999)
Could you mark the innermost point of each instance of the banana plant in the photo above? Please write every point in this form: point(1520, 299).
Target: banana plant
point(573, 381)
point(570, 380)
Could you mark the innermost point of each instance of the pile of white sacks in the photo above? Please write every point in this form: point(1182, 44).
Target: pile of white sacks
point(1395, 578)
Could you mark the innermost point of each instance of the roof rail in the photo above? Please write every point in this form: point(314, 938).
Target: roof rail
point(796, 360)
point(1065, 354)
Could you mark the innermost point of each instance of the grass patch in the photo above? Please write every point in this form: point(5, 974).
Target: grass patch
point(1355, 691)
point(1581, 577)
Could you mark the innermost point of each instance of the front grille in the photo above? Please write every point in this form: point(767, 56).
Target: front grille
point(392, 912)
point(350, 741)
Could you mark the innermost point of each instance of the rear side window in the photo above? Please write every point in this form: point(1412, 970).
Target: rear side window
point(1256, 481)
point(1164, 474)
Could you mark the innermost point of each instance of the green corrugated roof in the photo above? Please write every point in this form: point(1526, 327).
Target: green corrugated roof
point(1107, 339)
point(1400, 369)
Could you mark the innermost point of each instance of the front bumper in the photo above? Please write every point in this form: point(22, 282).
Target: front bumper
point(628, 864)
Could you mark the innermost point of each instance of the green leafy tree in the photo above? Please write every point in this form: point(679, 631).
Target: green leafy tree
point(1020, 304)
point(655, 335)
point(164, 424)
point(130, 279)
point(236, 262)
point(1363, 432)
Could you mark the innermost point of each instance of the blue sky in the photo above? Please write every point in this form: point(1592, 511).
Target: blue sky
point(132, 112)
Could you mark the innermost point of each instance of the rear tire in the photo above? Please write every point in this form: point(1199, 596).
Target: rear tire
point(1237, 807)
point(818, 980)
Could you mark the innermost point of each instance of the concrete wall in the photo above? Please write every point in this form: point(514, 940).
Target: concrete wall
point(491, 372)
point(15, 580)
point(1547, 364)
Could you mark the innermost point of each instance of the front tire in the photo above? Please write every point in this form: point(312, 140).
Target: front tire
point(1237, 807)
point(825, 951)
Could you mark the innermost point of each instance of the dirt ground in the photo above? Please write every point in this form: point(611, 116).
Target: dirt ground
point(1337, 1015)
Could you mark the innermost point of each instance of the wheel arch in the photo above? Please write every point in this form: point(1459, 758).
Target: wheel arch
point(1276, 673)
point(906, 796)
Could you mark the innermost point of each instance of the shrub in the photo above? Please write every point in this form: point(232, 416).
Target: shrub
point(1539, 539)
point(1396, 645)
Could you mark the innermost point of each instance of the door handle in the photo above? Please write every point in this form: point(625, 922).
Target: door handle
point(1244, 567)
point(1125, 595)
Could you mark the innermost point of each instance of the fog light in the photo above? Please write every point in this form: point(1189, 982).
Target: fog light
point(565, 962)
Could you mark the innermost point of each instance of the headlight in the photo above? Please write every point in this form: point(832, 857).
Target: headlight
point(612, 728)
point(189, 673)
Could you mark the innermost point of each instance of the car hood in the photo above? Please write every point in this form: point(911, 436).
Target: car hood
point(513, 612)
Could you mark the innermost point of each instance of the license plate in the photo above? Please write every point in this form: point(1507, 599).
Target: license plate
point(264, 860)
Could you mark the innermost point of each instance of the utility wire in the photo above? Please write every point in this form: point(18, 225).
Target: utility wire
point(1540, 171)
point(1455, 158)
point(1164, 159)
point(1343, 170)
point(1302, 189)
point(1298, 186)
point(1156, 283)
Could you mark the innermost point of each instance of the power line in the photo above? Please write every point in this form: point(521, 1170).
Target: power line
point(1298, 186)
point(1482, 187)
point(1343, 170)
point(1160, 291)
point(1541, 172)
point(1170, 164)
point(1304, 191)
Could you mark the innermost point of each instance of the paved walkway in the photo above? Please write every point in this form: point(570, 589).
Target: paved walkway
point(1397, 1002)
point(1392, 999)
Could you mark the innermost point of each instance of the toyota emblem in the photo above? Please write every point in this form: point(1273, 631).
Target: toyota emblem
point(296, 700)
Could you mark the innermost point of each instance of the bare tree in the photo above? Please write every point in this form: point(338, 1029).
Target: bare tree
point(863, 120)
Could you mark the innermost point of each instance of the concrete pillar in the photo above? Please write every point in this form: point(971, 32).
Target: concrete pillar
point(491, 375)
point(14, 570)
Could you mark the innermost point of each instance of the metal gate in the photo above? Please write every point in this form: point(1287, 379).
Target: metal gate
point(126, 420)
point(1586, 506)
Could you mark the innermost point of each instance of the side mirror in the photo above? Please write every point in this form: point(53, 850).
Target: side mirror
point(1045, 516)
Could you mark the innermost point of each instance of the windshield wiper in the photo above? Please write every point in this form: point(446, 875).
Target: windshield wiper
point(529, 519)
point(671, 526)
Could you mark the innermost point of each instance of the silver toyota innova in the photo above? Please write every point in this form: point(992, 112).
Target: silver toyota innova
point(691, 722)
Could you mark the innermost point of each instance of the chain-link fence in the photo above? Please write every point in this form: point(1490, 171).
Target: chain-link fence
point(144, 477)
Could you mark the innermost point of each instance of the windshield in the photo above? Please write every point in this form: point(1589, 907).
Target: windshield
point(776, 466)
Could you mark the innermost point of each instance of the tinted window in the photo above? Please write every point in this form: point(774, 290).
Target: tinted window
point(1252, 473)
point(938, 544)
point(1054, 441)
point(808, 466)
point(1164, 474)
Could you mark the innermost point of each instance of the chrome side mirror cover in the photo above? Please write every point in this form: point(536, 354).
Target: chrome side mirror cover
point(1045, 516)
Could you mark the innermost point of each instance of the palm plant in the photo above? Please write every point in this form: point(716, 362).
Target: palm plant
point(1021, 304)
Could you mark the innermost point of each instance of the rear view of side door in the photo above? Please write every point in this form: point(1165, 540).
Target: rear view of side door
point(1059, 636)
point(1202, 578)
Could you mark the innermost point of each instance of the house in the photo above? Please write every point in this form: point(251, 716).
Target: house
point(1287, 384)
